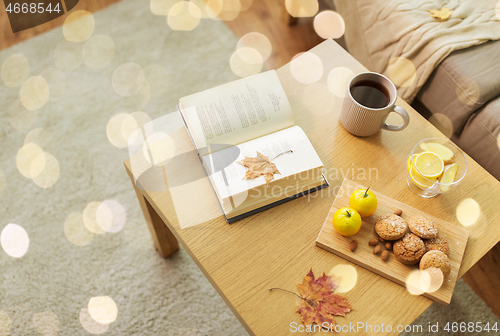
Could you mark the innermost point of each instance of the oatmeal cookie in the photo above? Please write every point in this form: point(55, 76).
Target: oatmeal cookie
point(436, 259)
point(423, 227)
point(439, 244)
point(390, 227)
point(409, 249)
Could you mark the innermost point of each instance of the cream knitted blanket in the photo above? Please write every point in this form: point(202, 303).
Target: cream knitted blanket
point(400, 39)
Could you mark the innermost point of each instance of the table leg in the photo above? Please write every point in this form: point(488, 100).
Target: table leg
point(165, 242)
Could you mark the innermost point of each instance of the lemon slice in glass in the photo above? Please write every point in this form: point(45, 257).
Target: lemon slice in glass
point(409, 163)
point(429, 165)
point(421, 181)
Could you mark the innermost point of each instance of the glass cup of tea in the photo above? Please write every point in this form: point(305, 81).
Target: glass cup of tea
point(369, 100)
point(435, 166)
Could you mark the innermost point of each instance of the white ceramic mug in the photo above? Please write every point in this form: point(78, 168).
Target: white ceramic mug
point(364, 121)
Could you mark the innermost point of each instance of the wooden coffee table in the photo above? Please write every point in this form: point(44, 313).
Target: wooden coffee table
point(276, 248)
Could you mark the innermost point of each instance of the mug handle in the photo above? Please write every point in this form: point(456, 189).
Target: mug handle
point(406, 119)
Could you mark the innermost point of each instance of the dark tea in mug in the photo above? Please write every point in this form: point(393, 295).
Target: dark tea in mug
point(371, 94)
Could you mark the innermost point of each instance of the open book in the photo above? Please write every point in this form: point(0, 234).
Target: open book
point(236, 120)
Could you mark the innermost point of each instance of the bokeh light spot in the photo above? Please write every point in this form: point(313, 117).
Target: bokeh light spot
point(302, 8)
point(246, 62)
point(184, 16)
point(40, 137)
point(25, 158)
point(78, 26)
point(413, 283)
point(56, 81)
point(258, 42)
point(468, 212)
point(75, 230)
point(38, 165)
point(111, 216)
point(161, 147)
point(89, 324)
point(14, 240)
point(5, 323)
point(114, 130)
point(15, 70)
point(157, 78)
point(104, 216)
point(161, 7)
point(90, 216)
point(329, 24)
point(442, 123)
point(402, 71)
point(50, 173)
point(46, 323)
point(34, 93)
point(338, 81)
point(467, 91)
point(98, 51)
point(122, 126)
point(306, 68)
point(128, 79)
point(68, 55)
point(202, 5)
point(103, 309)
point(347, 276)
point(431, 279)
point(21, 118)
point(131, 123)
point(225, 10)
point(3, 183)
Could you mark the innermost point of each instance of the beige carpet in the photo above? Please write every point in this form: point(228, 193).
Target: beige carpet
point(44, 291)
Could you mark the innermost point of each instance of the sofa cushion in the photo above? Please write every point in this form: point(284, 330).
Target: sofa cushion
point(463, 82)
point(480, 137)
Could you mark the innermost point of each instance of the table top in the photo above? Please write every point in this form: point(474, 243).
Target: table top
point(276, 248)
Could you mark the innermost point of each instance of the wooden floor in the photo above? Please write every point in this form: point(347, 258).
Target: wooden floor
point(8, 39)
point(267, 17)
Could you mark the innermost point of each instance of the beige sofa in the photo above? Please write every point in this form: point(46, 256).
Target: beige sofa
point(466, 89)
point(463, 95)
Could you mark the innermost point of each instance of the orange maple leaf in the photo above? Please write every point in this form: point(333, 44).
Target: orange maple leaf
point(259, 165)
point(319, 303)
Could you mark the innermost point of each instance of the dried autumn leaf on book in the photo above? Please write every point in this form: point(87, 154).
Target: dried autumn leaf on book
point(319, 303)
point(259, 165)
point(441, 14)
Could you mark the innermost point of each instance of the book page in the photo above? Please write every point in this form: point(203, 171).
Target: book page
point(229, 180)
point(238, 111)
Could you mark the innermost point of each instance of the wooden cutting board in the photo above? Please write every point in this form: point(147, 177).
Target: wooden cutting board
point(332, 241)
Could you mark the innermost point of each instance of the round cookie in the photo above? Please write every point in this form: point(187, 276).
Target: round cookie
point(409, 249)
point(436, 259)
point(391, 227)
point(439, 244)
point(423, 227)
